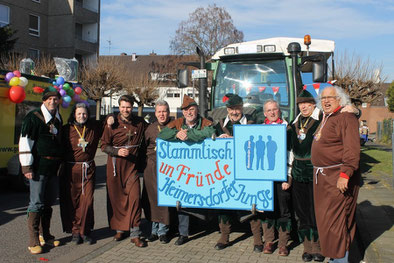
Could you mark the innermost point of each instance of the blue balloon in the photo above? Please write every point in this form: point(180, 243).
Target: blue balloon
point(67, 99)
point(60, 81)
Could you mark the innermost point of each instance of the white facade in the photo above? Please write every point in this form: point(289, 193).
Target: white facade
point(173, 96)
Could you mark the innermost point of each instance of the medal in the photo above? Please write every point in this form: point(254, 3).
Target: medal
point(81, 141)
point(301, 135)
point(52, 129)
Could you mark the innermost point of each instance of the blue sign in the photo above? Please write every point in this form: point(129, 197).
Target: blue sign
point(215, 173)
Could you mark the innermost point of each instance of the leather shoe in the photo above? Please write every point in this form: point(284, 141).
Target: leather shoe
point(119, 236)
point(138, 242)
point(318, 257)
point(164, 239)
point(283, 251)
point(152, 238)
point(306, 257)
point(268, 248)
point(181, 240)
point(220, 246)
point(258, 248)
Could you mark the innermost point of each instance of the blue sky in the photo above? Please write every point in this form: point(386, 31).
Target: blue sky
point(362, 28)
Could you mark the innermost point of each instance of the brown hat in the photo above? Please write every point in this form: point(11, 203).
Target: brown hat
point(187, 102)
point(49, 92)
point(305, 96)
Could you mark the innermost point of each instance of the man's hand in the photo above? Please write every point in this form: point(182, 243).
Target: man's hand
point(123, 152)
point(110, 121)
point(182, 135)
point(351, 109)
point(225, 135)
point(29, 175)
point(286, 185)
point(342, 184)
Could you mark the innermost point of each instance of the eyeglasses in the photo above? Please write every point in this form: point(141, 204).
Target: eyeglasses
point(329, 98)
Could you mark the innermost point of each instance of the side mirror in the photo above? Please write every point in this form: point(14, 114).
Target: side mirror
point(182, 78)
point(319, 71)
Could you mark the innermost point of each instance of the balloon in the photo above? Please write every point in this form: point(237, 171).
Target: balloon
point(54, 83)
point(56, 87)
point(9, 76)
point(52, 88)
point(85, 102)
point(65, 104)
point(17, 73)
point(38, 90)
point(78, 90)
point(66, 86)
point(62, 92)
point(23, 81)
point(70, 92)
point(60, 86)
point(76, 98)
point(14, 81)
point(67, 99)
point(16, 94)
point(60, 80)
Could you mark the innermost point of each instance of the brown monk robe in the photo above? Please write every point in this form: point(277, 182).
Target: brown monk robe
point(158, 214)
point(123, 184)
point(336, 153)
point(78, 180)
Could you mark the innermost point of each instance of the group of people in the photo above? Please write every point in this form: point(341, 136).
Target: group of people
point(321, 187)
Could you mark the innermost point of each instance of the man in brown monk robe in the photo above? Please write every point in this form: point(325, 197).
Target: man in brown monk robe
point(336, 157)
point(81, 137)
point(122, 143)
point(159, 215)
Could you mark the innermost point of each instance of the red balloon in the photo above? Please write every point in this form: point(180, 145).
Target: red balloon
point(16, 94)
point(17, 73)
point(78, 90)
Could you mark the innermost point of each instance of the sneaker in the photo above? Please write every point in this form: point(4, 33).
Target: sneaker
point(35, 250)
point(76, 239)
point(152, 238)
point(88, 240)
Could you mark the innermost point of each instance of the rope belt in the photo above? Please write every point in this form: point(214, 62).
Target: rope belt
point(85, 167)
point(321, 169)
point(119, 147)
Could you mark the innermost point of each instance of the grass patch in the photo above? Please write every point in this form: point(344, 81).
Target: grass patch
point(375, 159)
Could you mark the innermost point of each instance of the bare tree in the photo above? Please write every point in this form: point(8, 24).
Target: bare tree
point(10, 61)
point(209, 28)
point(102, 79)
point(142, 87)
point(360, 78)
point(45, 66)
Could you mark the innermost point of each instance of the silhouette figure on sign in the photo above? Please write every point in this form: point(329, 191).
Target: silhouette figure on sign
point(249, 151)
point(271, 151)
point(260, 151)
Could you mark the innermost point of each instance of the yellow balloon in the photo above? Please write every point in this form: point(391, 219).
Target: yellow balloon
point(14, 81)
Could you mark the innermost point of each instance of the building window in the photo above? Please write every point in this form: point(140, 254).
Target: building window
point(34, 25)
point(364, 105)
point(33, 53)
point(177, 95)
point(37, 1)
point(4, 15)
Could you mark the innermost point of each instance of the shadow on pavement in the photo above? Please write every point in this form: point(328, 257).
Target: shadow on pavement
point(372, 222)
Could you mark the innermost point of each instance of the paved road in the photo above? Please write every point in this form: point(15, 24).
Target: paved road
point(13, 227)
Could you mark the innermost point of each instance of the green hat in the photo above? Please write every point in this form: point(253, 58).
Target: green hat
point(232, 100)
point(49, 92)
point(305, 96)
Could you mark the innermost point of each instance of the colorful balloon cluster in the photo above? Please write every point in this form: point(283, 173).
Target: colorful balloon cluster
point(16, 93)
point(67, 92)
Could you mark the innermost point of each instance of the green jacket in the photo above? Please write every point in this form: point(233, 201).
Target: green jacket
point(202, 130)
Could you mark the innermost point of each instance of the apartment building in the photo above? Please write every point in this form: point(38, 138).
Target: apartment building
point(62, 28)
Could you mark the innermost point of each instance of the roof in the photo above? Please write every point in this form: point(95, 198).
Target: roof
point(281, 43)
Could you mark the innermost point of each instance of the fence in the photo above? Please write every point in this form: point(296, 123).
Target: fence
point(384, 131)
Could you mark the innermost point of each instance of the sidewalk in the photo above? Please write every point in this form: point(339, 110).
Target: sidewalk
point(375, 217)
point(374, 244)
